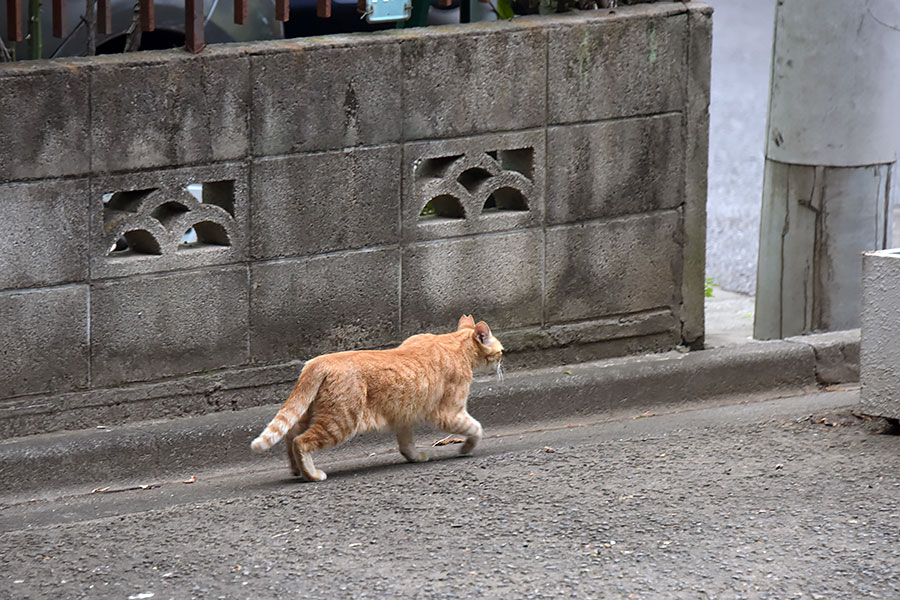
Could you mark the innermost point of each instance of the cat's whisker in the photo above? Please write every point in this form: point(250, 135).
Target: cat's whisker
point(500, 372)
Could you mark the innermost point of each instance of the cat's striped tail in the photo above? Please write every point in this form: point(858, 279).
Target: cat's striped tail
point(301, 396)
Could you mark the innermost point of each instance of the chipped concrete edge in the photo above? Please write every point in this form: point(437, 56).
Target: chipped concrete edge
point(218, 440)
point(836, 354)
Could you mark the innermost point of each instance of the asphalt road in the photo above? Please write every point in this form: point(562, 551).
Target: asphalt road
point(785, 498)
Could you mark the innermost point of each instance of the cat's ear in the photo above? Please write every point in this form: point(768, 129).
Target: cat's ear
point(482, 332)
point(466, 322)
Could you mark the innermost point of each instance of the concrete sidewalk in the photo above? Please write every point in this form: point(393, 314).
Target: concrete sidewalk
point(732, 364)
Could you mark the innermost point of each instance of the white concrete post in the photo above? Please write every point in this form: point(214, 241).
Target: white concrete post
point(879, 345)
point(833, 135)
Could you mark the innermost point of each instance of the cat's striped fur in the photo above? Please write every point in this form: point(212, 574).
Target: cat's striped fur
point(426, 378)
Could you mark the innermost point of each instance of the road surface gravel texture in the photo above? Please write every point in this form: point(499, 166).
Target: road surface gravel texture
point(781, 498)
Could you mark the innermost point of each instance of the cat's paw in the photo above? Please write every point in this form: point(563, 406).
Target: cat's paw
point(467, 447)
point(416, 457)
point(317, 475)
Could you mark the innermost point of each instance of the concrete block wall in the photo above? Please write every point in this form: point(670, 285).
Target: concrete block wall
point(564, 158)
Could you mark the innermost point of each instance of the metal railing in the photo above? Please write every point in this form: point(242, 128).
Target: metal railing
point(194, 21)
point(193, 18)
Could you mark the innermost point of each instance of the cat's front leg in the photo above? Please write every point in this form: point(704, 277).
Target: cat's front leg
point(407, 444)
point(472, 440)
point(462, 423)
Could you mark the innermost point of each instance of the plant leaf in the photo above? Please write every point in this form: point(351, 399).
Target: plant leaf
point(504, 9)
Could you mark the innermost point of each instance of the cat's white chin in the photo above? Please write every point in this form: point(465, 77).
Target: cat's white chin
point(491, 368)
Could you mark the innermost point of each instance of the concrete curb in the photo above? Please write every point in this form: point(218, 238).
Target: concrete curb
point(156, 449)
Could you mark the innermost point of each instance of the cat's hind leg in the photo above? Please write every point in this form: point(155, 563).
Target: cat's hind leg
point(462, 423)
point(336, 415)
point(325, 430)
point(298, 428)
point(314, 438)
point(407, 444)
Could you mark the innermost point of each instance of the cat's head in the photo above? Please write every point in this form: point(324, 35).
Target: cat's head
point(490, 349)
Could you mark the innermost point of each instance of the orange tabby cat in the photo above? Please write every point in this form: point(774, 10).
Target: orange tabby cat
point(426, 378)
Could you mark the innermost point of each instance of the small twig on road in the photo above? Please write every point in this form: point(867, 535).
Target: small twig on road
point(108, 490)
point(447, 440)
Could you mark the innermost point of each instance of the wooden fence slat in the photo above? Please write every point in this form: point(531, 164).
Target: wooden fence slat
point(104, 17)
point(240, 12)
point(194, 39)
point(59, 18)
point(323, 9)
point(14, 20)
point(148, 18)
point(282, 10)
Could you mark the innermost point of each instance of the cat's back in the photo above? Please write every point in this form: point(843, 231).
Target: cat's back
point(410, 355)
point(420, 359)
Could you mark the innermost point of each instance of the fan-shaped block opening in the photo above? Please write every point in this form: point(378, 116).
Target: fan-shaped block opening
point(472, 178)
point(505, 199)
point(168, 212)
point(204, 233)
point(435, 167)
point(127, 200)
point(137, 241)
point(446, 206)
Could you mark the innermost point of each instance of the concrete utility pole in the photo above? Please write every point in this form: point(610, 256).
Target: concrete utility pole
point(831, 153)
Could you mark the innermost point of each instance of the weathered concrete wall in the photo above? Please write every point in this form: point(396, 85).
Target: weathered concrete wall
point(566, 157)
point(879, 345)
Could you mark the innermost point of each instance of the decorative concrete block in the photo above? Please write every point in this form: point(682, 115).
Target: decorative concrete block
point(614, 168)
point(169, 219)
point(43, 233)
point(315, 203)
point(304, 307)
point(613, 267)
point(309, 95)
point(473, 185)
point(563, 156)
point(879, 361)
point(44, 116)
point(494, 277)
point(602, 69)
point(45, 340)
point(462, 82)
point(161, 109)
point(146, 328)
